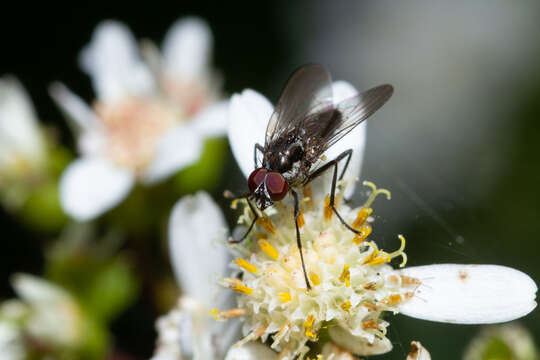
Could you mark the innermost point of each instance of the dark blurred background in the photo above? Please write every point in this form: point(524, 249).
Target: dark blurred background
point(457, 145)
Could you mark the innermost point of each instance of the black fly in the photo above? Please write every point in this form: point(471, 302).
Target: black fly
point(305, 123)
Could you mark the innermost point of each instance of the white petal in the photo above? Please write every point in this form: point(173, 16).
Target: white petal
point(334, 352)
point(355, 140)
point(195, 226)
point(179, 147)
point(35, 290)
point(470, 294)
point(418, 352)
point(213, 120)
point(358, 345)
point(251, 351)
point(113, 61)
point(75, 108)
point(187, 48)
point(90, 186)
point(18, 122)
point(249, 113)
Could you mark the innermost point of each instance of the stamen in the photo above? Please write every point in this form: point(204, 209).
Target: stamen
point(308, 194)
point(308, 325)
point(346, 305)
point(236, 285)
point(375, 193)
point(362, 235)
point(315, 279)
point(266, 223)
point(392, 300)
point(370, 286)
point(226, 314)
point(400, 251)
point(300, 220)
point(371, 306)
point(362, 216)
point(345, 276)
point(409, 281)
point(254, 335)
point(268, 249)
point(327, 209)
point(284, 297)
point(246, 265)
point(371, 324)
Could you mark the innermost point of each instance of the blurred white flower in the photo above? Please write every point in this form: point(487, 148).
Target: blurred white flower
point(22, 145)
point(352, 283)
point(198, 259)
point(44, 314)
point(149, 120)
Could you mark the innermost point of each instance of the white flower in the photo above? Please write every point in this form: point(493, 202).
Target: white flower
point(150, 119)
point(198, 260)
point(44, 314)
point(22, 146)
point(352, 282)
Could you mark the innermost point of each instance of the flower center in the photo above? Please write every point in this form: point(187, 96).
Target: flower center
point(352, 281)
point(133, 128)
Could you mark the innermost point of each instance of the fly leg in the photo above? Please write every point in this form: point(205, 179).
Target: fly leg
point(298, 242)
point(346, 154)
point(255, 217)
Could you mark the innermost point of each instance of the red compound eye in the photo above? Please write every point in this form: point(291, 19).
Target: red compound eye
point(276, 185)
point(256, 178)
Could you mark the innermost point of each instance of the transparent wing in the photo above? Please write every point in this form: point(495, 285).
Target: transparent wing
point(308, 91)
point(331, 124)
point(351, 112)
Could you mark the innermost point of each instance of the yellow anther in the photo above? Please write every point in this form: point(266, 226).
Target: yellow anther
point(393, 300)
point(308, 326)
point(362, 235)
point(346, 305)
point(266, 223)
point(300, 219)
point(381, 259)
point(370, 325)
point(315, 279)
point(243, 289)
point(284, 297)
point(308, 195)
point(268, 249)
point(362, 216)
point(237, 285)
point(214, 313)
point(327, 208)
point(345, 276)
point(246, 265)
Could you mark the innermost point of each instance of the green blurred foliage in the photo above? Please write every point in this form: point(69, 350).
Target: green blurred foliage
point(207, 172)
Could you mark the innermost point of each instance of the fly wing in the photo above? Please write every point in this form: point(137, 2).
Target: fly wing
point(308, 91)
point(349, 113)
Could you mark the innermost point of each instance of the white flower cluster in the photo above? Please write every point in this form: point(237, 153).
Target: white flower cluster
point(147, 104)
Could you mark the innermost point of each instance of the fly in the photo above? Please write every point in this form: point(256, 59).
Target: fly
point(305, 123)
